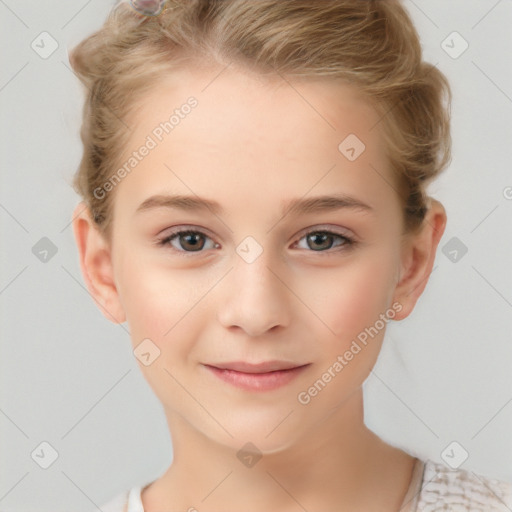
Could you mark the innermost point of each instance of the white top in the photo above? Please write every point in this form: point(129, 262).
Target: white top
point(434, 487)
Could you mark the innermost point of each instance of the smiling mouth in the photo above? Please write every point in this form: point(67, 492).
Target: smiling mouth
point(264, 376)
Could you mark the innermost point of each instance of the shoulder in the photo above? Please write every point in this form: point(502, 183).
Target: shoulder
point(118, 503)
point(462, 490)
point(128, 501)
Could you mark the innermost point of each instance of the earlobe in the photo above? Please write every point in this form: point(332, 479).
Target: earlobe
point(96, 264)
point(418, 258)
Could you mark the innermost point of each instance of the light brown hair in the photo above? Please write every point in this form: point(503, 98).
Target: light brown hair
point(371, 44)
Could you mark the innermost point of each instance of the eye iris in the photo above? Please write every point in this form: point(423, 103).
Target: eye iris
point(320, 238)
point(192, 240)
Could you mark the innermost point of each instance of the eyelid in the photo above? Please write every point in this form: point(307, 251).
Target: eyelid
point(312, 229)
point(335, 230)
point(183, 227)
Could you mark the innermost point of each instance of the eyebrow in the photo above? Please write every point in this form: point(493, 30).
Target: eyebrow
point(291, 207)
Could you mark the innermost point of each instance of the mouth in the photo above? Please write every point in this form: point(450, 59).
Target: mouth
point(265, 376)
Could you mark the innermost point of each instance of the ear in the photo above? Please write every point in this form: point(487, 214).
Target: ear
point(96, 264)
point(418, 255)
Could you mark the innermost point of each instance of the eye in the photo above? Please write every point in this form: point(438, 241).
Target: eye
point(322, 241)
point(188, 241)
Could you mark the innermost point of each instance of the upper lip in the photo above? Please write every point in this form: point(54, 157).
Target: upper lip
point(263, 367)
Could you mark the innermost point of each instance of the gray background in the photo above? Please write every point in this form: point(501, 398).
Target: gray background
point(68, 375)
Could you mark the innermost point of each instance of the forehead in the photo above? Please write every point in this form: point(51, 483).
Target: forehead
point(248, 133)
point(258, 108)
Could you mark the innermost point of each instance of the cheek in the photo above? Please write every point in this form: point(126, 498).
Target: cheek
point(160, 306)
point(355, 296)
point(165, 305)
point(153, 300)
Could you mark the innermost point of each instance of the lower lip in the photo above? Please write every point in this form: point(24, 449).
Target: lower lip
point(257, 381)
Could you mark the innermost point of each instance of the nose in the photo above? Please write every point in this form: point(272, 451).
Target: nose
point(254, 297)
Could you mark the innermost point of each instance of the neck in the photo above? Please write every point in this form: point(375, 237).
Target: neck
point(339, 461)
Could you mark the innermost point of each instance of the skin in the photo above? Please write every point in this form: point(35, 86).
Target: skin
point(250, 144)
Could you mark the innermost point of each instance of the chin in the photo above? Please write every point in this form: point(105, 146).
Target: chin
point(268, 434)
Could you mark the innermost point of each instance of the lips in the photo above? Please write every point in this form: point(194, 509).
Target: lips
point(264, 376)
point(264, 367)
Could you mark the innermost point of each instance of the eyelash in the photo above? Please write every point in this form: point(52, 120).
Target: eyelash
point(349, 243)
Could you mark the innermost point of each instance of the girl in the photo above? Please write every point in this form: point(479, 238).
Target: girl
point(254, 206)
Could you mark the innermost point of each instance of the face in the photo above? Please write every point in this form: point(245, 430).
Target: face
point(214, 267)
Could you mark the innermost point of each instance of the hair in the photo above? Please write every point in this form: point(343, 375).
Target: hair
point(371, 44)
